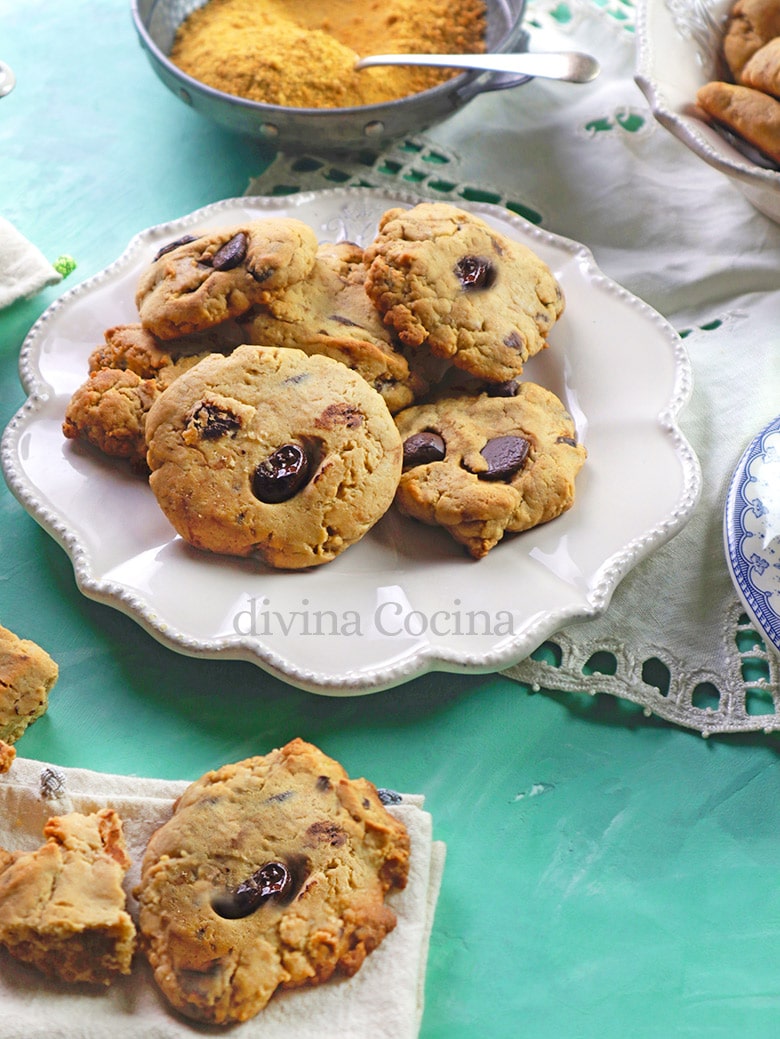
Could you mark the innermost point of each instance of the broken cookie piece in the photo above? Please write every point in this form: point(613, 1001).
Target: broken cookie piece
point(62, 907)
point(27, 676)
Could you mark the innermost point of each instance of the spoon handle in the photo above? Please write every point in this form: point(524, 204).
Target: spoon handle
point(572, 66)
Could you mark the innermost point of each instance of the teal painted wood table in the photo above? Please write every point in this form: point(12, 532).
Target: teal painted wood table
point(608, 873)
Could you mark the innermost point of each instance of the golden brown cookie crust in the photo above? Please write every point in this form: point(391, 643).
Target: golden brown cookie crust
point(329, 313)
point(27, 676)
point(751, 24)
point(455, 491)
point(445, 280)
point(762, 71)
point(752, 114)
point(195, 285)
point(62, 907)
point(226, 418)
point(342, 851)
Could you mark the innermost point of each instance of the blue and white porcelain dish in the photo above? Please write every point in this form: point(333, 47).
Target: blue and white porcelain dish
point(751, 530)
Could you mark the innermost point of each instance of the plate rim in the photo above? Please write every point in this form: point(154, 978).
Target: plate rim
point(735, 508)
point(419, 660)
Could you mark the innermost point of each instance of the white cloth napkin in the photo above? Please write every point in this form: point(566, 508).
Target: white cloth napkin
point(24, 270)
point(384, 1000)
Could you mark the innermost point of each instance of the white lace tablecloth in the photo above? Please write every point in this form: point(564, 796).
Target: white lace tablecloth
point(590, 163)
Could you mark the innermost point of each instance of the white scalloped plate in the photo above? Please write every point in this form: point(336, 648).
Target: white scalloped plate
point(751, 530)
point(406, 599)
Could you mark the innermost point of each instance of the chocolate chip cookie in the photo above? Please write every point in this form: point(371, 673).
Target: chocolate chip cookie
point(27, 676)
point(271, 874)
point(136, 349)
point(481, 466)
point(109, 409)
point(274, 454)
point(199, 281)
point(329, 313)
point(447, 282)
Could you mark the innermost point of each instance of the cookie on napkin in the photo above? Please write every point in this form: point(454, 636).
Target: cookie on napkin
point(385, 997)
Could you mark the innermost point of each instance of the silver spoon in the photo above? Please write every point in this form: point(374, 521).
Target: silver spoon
point(571, 66)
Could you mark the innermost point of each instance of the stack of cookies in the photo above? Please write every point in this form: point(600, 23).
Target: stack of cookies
point(747, 103)
point(283, 393)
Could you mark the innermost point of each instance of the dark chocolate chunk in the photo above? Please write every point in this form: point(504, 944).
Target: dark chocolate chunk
point(184, 240)
point(421, 448)
point(231, 254)
point(389, 797)
point(504, 456)
point(514, 341)
point(503, 389)
point(475, 272)
point(282, 475)
point(213, 422)
point(567, 440)
point(326, 832)
point(273, 880)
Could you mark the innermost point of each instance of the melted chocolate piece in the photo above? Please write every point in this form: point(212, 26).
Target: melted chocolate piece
point(184, 240)
point(421, 448)
point(504, 456)
point(475, 272)
point(503, 389)
point(231, 254)
point(282, 475)
point(326, 832)
point(340, 414)
point(514, 341)
point(213, 422)
point(273, 880)
point(567, 440)
point(389, 797)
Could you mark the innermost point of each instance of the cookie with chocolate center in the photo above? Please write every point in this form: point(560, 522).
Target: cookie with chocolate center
point(447, 282)
point(272, 873)
point(199, 281)
point(481, 466)
point(274, 454)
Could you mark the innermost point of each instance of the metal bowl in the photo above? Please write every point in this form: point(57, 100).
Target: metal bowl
point(331, 129)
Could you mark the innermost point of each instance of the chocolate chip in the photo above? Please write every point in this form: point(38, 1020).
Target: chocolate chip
point(514, 341)
point(567, 440)
point(475, 272)
point(213, 422)
point(504, 456)
point(262, 275)
point(273, 880)
point(421, 448)
point(339, 319)
point(503, 389)
point(389, 797)
point(282, 474)
point(323, 783)
point(184, 240)
point(231, 254)
point(340, 414)
point(326, 832)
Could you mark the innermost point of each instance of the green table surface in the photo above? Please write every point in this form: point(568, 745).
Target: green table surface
point(607, 874)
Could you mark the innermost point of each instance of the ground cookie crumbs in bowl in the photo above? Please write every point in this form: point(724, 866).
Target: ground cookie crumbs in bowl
point(301, 53)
